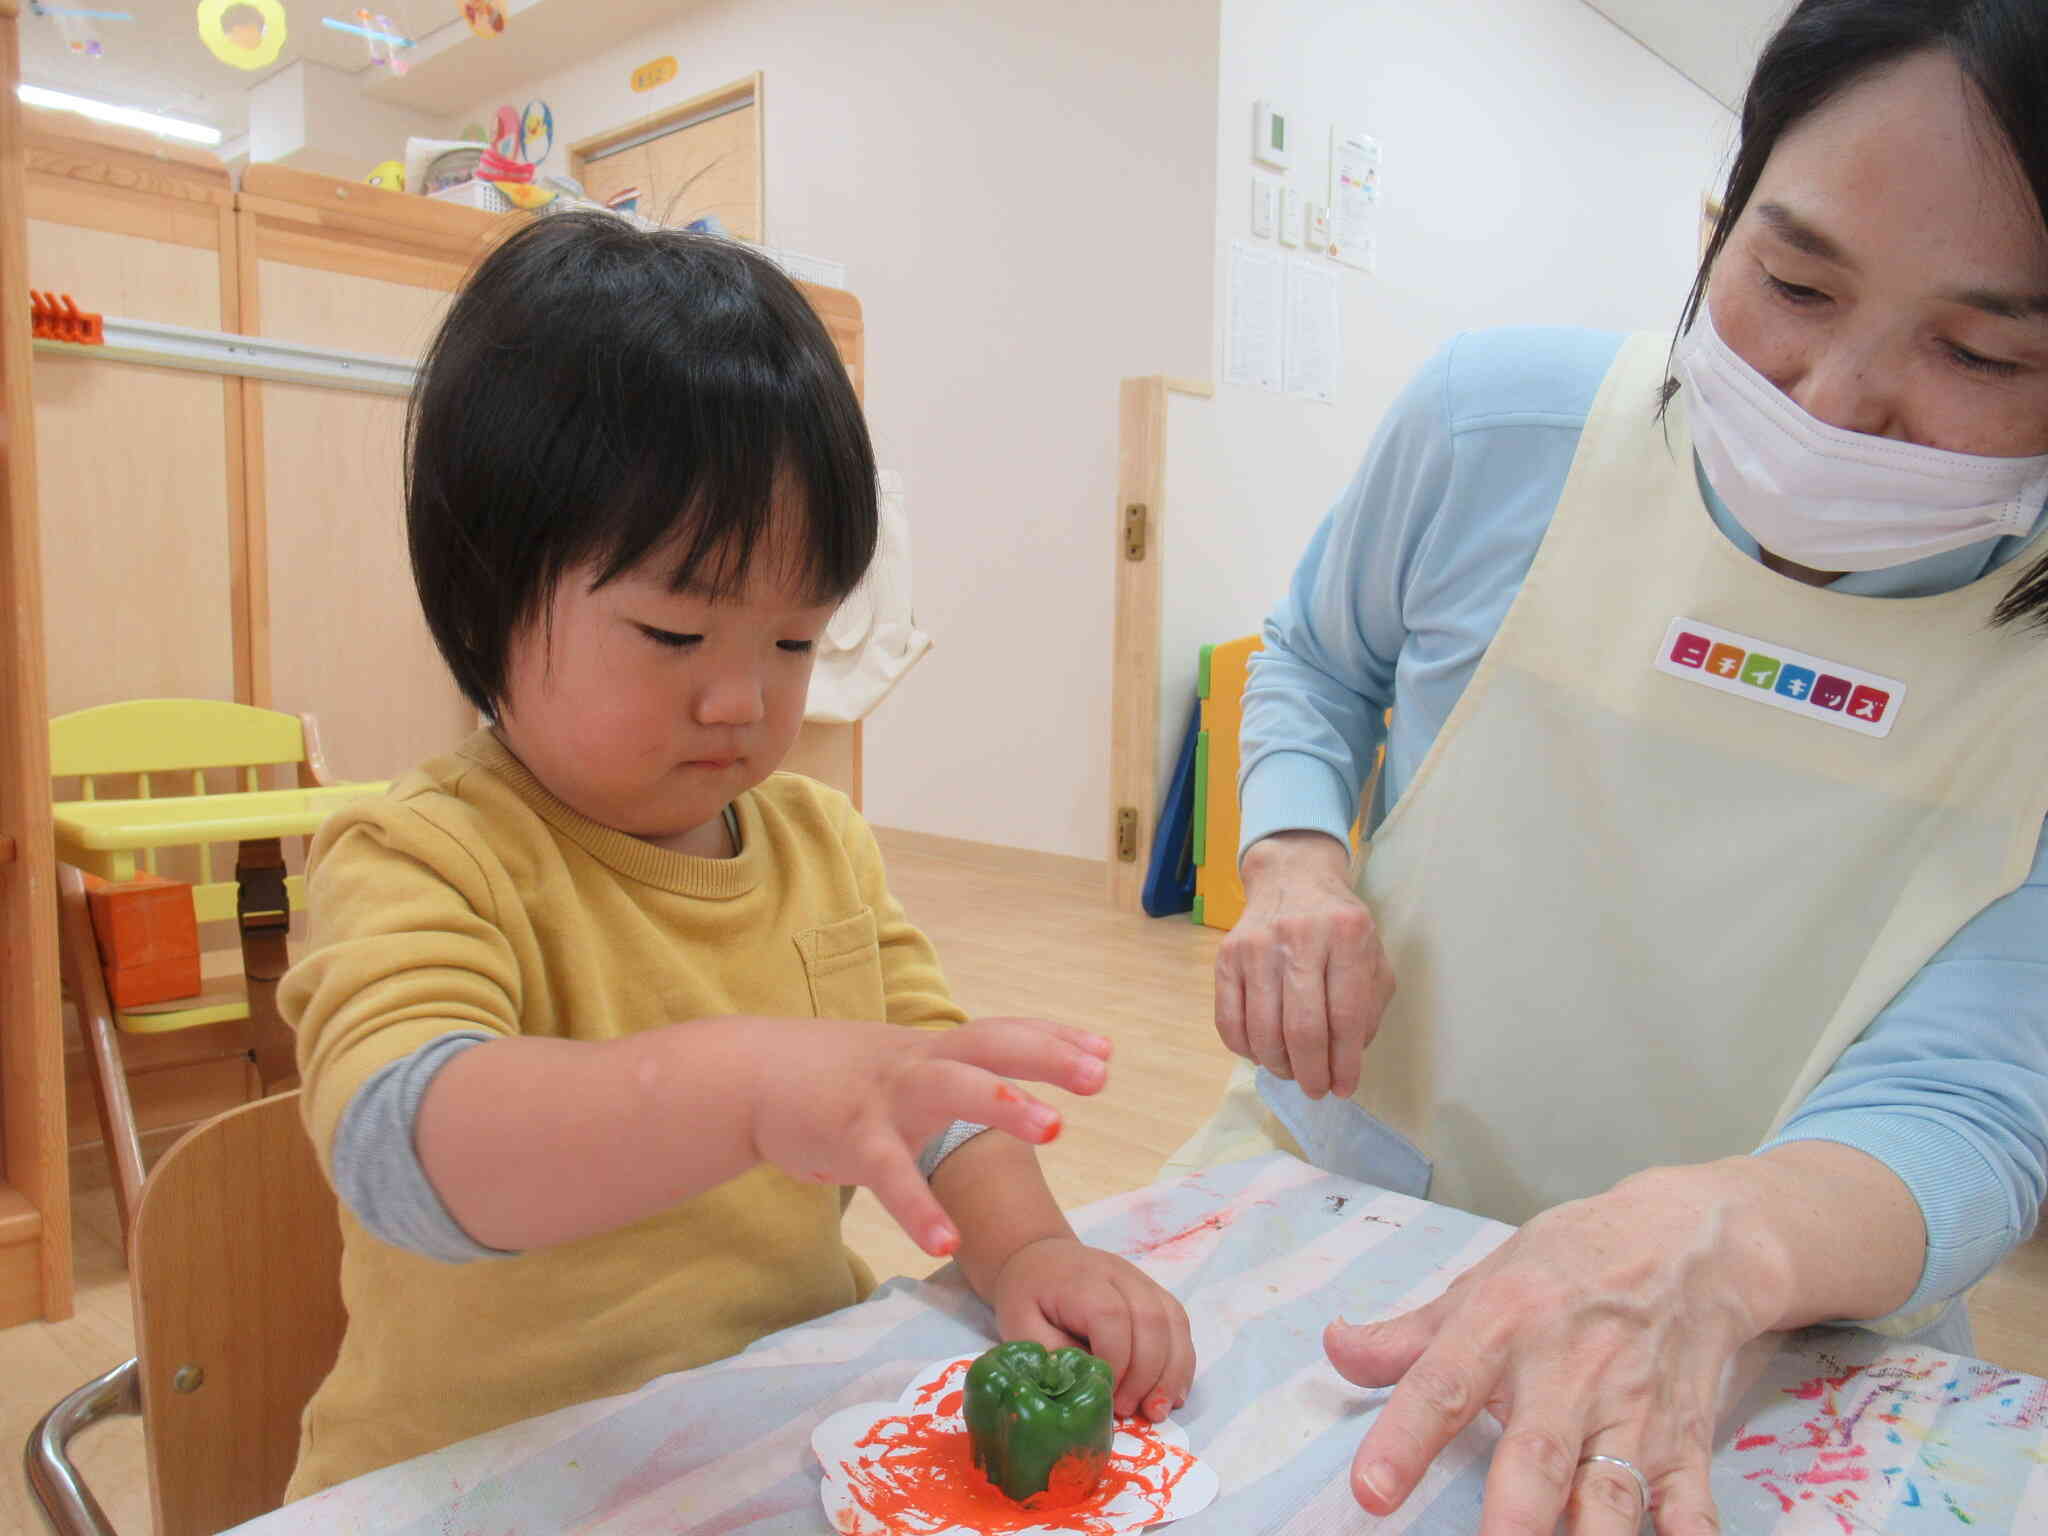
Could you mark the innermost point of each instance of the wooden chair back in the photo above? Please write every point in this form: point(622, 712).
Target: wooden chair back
point(238, 1313)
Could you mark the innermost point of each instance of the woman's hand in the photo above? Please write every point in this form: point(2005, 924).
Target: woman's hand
point(1301, 981)
point(1059, 1292)
point(1603, 1328)
point(842, 1102)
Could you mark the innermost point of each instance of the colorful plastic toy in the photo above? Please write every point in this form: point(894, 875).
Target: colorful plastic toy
point(1219, 682)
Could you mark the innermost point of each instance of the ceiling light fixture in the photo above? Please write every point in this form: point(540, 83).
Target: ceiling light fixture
point(126, 117)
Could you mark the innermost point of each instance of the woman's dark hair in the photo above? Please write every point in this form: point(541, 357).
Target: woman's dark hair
point(1827, 46)
point(599, 395)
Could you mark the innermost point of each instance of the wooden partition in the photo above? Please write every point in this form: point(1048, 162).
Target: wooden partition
point(140, 510)
point(1137, 534)
point(334, 625)
point(35, 1201)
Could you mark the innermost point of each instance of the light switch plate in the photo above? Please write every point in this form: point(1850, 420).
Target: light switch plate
point(1290, 216)
point(1265, 207)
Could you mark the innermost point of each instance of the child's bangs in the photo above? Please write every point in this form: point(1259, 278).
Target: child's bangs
point(767, 466)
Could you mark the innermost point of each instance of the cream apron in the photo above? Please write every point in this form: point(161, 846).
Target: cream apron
point(1634, 914)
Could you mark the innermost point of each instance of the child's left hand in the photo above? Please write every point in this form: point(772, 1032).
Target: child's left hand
point(1061, 1292)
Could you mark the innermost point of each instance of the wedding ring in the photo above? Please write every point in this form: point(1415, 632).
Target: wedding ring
point(1642, 1483)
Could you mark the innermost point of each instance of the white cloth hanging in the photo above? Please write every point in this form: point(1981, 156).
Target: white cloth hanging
point(872, 640)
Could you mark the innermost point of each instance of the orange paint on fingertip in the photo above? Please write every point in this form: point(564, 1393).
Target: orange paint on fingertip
point(944, 1245)
point(1050, 1132)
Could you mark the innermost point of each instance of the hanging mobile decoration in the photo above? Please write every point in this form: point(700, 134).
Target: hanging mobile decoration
point(76, 25)
point(249, 45)
point(385, 40)
point(486, 18)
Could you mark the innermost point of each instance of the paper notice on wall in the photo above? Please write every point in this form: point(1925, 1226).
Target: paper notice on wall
point(1315, 337)
point(1258, 290)
point(1354, 199)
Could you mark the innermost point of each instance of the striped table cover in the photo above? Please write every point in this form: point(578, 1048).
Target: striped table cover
point(1828, 1431)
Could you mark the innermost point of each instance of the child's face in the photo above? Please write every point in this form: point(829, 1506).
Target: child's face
point(648, 710)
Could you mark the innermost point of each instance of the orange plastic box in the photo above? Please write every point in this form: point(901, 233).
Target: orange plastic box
point(148, 939)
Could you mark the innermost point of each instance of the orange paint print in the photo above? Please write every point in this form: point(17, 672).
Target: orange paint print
point(917, 1477)
point(907, 1469)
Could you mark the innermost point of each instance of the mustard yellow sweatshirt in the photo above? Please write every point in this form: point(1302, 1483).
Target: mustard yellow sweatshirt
point(470, 898)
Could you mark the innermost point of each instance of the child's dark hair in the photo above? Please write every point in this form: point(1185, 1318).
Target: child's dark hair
point(599, 394)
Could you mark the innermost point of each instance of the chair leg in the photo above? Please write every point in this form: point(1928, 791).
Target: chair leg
point(79, 955)
point(61, 1496)
point(118, 1131)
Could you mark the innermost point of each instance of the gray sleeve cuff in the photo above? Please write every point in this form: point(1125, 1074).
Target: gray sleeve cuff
point(945, 1144)
point(377, 1172)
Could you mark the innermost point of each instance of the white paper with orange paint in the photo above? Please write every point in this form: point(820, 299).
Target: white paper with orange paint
point(1828, 1432)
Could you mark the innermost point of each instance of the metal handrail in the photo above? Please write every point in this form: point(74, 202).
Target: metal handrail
point(61, 1497)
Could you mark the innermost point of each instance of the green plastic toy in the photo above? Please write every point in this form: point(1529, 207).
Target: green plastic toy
point(1027, 1411)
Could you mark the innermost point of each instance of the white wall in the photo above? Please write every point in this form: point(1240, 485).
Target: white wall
point(1540, 167)
point(1023, 194)
point(315, 118)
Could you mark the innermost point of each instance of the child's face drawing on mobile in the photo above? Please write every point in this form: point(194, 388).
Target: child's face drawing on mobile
point(648, 709)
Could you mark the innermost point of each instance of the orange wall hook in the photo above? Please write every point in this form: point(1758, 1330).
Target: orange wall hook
point(57, 317)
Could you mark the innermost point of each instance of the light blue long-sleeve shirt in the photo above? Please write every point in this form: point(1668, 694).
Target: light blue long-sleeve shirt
point(1400, 592)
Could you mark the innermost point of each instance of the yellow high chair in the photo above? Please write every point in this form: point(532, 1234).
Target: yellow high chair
point(171, 743)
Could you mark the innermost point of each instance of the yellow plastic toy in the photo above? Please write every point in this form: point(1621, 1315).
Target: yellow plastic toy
point(1219, 894)
point(390, 176)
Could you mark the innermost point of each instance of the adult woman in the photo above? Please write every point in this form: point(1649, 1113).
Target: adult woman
point(1714, 886)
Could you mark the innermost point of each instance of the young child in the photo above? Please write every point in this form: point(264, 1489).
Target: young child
point(604, 1016)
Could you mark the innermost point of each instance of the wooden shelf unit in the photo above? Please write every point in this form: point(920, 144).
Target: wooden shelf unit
point(35, 1198)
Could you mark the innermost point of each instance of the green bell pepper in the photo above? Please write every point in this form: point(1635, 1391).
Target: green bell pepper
point(1027, 1410)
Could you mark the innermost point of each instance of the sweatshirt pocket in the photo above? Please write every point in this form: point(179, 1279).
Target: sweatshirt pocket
point(843, 964)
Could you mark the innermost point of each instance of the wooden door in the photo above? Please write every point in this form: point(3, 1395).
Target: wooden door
point(701, 159)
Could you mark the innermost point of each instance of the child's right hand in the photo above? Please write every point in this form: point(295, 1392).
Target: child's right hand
point(841, 1102)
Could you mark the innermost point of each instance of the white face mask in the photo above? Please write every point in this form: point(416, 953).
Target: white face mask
point(1832, 499)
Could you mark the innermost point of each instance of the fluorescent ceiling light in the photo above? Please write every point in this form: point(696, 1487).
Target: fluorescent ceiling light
point(126, 117)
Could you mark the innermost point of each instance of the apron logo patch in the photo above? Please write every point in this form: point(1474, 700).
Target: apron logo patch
point(1786, 679)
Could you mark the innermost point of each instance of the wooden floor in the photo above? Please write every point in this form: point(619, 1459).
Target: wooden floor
point(1019, 934)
